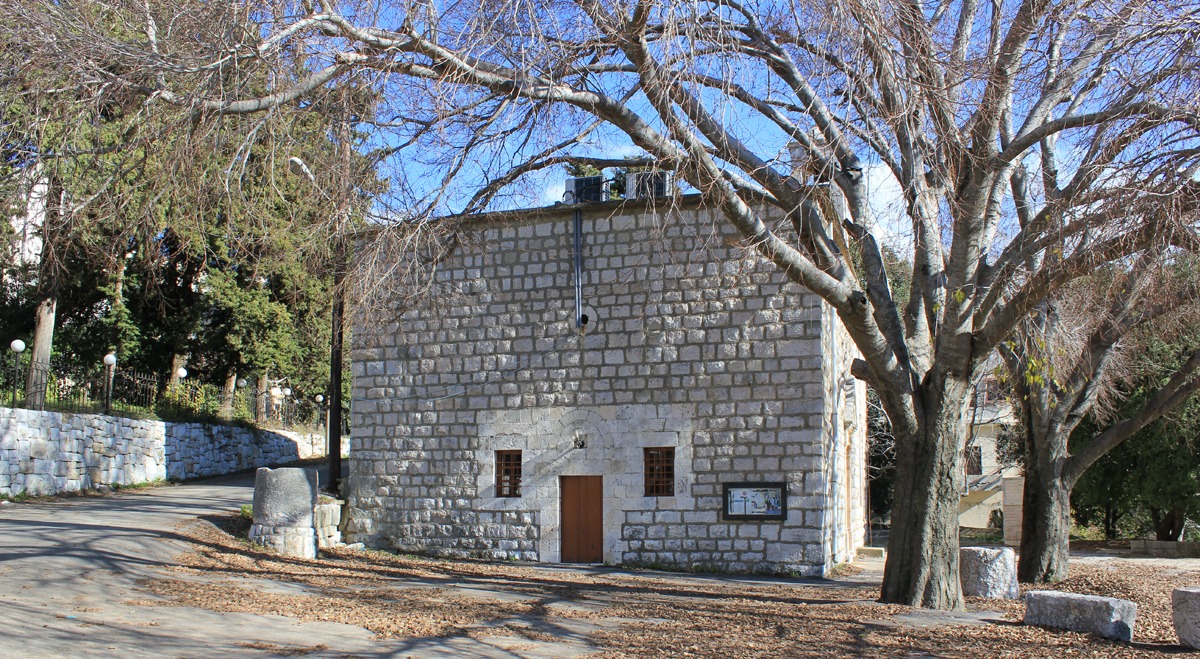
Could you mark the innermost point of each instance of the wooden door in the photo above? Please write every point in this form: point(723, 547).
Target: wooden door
point(582, 519)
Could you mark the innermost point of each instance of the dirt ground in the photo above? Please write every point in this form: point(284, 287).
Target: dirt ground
point(642, 614)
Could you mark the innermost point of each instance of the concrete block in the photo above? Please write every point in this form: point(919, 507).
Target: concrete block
point(872, 552)
point(1104, 616)
point(1185, 612)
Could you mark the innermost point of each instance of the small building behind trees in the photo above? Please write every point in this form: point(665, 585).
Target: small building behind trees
point(986, 464)
point(684, 405)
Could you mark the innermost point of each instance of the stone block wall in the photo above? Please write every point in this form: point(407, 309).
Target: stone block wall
point(195, 450)
point(843, 481)
point(327, 522)
point(53, 452)
point(692, 343)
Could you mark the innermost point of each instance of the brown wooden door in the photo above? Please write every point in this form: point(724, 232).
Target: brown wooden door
point(582, 519)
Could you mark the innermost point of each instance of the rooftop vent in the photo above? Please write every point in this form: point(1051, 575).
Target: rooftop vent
point(647, 185)
point(586, 189)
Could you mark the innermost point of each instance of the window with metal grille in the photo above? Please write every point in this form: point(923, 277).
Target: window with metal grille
point(508, 473)
point(660, 471)
point(974, 461)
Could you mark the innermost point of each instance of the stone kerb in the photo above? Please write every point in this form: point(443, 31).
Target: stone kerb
point(988, 572)
point(1105, 616)
point(1185, 610)
point(284, 501)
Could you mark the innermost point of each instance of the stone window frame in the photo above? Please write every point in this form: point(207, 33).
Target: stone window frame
point(508, 473)
point(658, 471)
point(973, 461)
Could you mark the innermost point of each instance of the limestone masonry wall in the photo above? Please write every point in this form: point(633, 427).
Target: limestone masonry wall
point(52, 452)
point(693, 343)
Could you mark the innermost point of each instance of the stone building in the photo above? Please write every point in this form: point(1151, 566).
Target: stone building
point(702, 417)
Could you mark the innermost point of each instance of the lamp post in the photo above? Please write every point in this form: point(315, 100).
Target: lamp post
point(337, 307)
point(321, 422)
point(18, 347)
point(110, 367)
point(239, 388)
point(180, 392)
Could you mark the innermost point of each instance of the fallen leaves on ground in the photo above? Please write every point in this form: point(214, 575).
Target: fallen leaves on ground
point(637, 614)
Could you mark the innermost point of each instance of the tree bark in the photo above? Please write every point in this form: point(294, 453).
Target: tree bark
point(43, 343)
point(922, 560)
point(262, 398)
point(227, 393)
point(178, 361)
point(1045, 525)
point(1111, 517)
point(118, 312)
point(1168, 525)
point(54, 233)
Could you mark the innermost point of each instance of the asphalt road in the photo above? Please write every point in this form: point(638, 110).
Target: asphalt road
point(68, 582)
point(68, 567)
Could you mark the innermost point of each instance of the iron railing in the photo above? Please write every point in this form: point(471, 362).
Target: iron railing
point(121, 392)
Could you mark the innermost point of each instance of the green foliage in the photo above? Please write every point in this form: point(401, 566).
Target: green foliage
point(1153, 473)
point(577, 170)
point(899, 272)
point(196, 240)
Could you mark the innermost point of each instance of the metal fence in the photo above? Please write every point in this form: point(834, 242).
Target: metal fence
point(121, 392)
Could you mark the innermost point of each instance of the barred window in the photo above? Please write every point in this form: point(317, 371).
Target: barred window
point(974, 461)
point(660, 471)
point(508, 473)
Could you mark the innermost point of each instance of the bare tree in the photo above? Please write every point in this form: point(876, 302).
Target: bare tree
point(1064, 365)
point(1022, 134)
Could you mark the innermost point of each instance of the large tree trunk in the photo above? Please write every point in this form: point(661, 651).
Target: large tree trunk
point(54, 234)
point(228, 391)
point(39, 361)
point(922, 560)
point(1168, 525)
point(261, 399)
point(118, 312)
point(1111, 517)
point(178, 361)
point(1045, 525)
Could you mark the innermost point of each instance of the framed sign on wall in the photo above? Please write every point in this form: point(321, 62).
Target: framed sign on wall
point(755, 501)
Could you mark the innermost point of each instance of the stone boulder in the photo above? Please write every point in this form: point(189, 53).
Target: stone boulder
point(1104, 616)
point(988, 572)
point(1185, 609)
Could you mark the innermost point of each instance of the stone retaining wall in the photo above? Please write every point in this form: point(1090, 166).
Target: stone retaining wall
point(53, 452)
point(1168, 549)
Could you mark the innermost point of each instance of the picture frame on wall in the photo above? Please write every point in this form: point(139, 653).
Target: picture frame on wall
point(749, 501)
